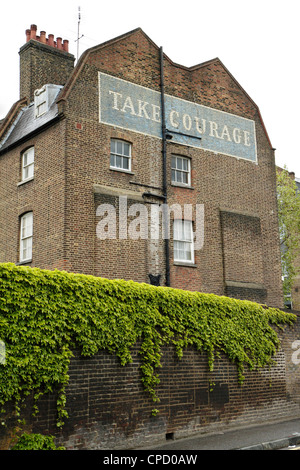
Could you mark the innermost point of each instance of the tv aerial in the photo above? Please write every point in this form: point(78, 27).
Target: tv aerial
point(78, 33)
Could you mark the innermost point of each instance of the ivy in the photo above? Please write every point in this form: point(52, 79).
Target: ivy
point(36, 442)
point(45, 315)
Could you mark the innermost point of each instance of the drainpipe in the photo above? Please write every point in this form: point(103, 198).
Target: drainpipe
point(164, 154)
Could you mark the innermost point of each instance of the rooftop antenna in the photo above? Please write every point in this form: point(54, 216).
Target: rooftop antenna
point(78, 37)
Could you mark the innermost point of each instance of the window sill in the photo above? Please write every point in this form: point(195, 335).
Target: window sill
point(187, 265)
point(27, 261)
point(180, 185)
point(25, 181)
point(120, 170)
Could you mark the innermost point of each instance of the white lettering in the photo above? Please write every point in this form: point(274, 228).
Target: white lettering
point(225, 133)
point(237, 135)
point(195, 124)
point(123, 217)
point(174, 459)
point(155, 113)
point(174, 124)
point(198, 127)
point(116, 95)
point(140, 222)
point(119, 460)
point(106, 228)
point(213, 129)
point(142, 106)
point(247, 138)
point(128, 104)
point(187, 122)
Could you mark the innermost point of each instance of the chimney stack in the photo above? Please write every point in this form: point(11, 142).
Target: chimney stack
point(43, 60)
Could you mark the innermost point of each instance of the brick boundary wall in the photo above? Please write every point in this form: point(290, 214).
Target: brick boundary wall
point(108, 408)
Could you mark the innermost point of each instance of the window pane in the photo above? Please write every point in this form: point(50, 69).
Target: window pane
point(185, 178)
point(118, 161)
point(112, 146)
point(27, 248)
point(27, 225)
point(112, 160)
point(28, 171)
point(173, 164)
point(119, 148)
point(176, 230)
point(125, 163)
point(29, 156)
point(185, 164)
point(126, 149)
point(41, 108)
point(187, 230)
point(179, 163)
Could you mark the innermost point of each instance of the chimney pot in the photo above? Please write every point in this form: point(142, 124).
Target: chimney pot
point(51, 40)
point(59, 43)
point(33, 29)
point(43, 37)
point(66, 45)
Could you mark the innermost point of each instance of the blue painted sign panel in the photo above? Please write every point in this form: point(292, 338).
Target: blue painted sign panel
point(129, 106)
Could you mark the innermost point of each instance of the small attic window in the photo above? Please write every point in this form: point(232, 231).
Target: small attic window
point(40, 101)
point(44, 97)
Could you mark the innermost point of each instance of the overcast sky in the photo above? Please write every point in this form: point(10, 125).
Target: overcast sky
point(257, 41)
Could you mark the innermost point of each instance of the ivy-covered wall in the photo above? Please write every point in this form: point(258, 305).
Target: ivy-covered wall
point(110, 364)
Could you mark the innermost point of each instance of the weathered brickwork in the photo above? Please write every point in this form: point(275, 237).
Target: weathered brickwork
point(73, 177)
point(109, 409)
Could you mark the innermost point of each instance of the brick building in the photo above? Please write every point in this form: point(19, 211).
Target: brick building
point(91, 154)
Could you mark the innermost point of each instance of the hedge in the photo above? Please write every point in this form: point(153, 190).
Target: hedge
point(45, 315)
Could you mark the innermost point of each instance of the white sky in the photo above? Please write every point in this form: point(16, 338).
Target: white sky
point(257, 41)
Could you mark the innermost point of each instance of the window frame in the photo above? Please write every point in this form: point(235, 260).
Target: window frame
point(114, 153)
point(177, 170)
point(25, 167)
point(186, 241)
point(24, 238)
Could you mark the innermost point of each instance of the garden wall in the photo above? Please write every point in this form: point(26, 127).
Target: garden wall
point(109, 409)
point(134, 365)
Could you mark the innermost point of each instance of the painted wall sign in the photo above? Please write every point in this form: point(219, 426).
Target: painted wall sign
point(129, 106)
